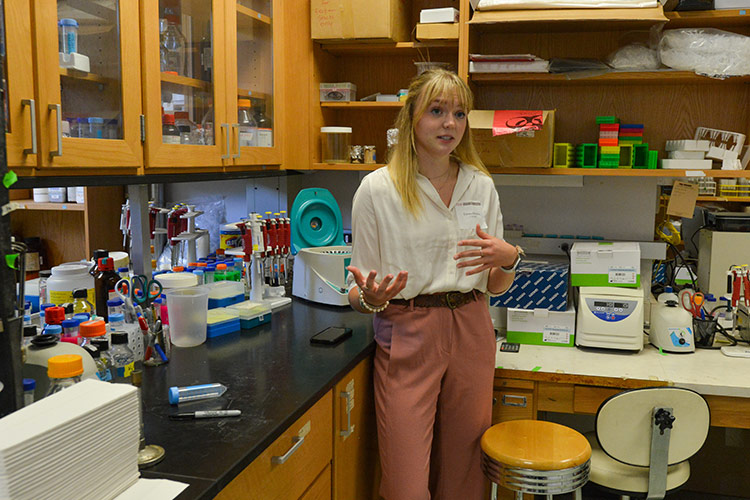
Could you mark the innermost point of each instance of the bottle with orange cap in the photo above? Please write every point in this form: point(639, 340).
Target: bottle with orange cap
point(64, 371)
point(88, 331)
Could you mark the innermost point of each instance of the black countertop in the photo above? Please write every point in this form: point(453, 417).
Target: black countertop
point(273, 375)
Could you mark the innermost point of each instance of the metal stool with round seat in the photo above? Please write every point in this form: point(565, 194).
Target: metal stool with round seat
point(536, 457)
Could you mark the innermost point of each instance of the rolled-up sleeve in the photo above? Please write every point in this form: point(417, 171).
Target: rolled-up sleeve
point(365, 233)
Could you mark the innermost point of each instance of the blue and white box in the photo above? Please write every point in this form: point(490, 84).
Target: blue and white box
point(541, 283)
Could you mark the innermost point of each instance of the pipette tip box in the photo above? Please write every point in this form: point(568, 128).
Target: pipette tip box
point(252, 314)
point(222, 321)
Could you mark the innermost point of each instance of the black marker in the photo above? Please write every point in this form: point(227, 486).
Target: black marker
point(206, 414)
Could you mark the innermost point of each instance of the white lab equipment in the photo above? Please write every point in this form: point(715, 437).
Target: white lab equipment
point(610, 318)
point(671, 328)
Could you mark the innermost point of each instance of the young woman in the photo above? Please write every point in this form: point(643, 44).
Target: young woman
point(430, 224)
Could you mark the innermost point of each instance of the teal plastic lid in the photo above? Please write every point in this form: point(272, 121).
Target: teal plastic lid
point(316, 220)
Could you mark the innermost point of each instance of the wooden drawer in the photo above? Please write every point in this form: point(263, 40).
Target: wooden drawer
point(513, 404)
point(265, 480)
point(321, 488)
point(587, 399)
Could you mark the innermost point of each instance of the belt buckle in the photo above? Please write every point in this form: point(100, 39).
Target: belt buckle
point(452, 302)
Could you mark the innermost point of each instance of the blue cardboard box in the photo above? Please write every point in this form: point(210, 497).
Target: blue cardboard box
point(541, 283)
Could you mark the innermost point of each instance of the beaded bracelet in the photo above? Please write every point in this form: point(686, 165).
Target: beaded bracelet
point(370, 308)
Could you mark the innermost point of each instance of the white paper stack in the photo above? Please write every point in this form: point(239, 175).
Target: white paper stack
point(507, 63)
point(78, 444)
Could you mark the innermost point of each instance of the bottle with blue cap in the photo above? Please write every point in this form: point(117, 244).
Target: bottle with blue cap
point(29, 385)
point(114, 306)
point(55, 330)
point(68, 34)
point(70, 327)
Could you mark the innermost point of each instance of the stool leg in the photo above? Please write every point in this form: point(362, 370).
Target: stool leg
point(493, 491)
point(549, 497)
point(577, 495)
point(519, 495)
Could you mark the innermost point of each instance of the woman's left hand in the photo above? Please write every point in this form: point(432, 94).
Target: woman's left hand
point(491, 252)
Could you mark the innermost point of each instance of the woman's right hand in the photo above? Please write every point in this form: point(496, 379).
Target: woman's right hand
point(376, 294)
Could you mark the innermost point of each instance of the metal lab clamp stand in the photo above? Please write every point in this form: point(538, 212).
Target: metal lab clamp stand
point(190, 236)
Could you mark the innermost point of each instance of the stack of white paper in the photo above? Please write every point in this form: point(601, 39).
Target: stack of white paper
point(507, 63)
point(80, 443)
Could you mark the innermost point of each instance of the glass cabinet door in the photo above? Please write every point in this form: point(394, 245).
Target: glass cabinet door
point(20, 104)
point(89, 81)
point(185, 104)
point(252, 78)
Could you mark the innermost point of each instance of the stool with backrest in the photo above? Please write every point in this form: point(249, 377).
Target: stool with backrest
point(644, 438)
point(537, 457)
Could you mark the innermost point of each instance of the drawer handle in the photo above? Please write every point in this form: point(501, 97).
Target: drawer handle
point(508, 400)
point(349, 427)
point(32, 109)
point(297, 440)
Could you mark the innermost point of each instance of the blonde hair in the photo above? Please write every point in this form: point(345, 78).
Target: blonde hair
point(435, 84)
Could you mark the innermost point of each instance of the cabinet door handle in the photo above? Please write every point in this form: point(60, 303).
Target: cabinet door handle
point(508, 400)
point(349, 427)
point(32, 110)
point(239, 152)
point(297, 440)
point(58, 112)
point(226, 142)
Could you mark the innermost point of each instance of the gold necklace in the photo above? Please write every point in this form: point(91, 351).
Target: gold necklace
point(445, 182)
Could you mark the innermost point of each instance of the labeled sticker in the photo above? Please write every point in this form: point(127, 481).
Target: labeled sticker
point(469, 214)
point(125, 371)
point(556, 334)
point(622, 275)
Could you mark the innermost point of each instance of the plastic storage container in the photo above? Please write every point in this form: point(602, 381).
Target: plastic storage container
point(252, 314)
point(221, 321)
point(41, 195)
point(338, 92)
point(58, 195)
point(68, 33)
point(95, 128)
point(68, 277)
point(225, 293)
point(187, 308)
point(335, 142)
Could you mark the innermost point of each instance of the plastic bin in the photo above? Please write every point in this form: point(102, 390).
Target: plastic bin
point(188, 314)
point(252, 314)
point(221, 321)
point(335, 142)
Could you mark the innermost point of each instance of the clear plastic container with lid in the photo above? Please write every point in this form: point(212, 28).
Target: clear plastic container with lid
point(68, 33)
point(64, 371)
point(96, 128)
point(335, 142)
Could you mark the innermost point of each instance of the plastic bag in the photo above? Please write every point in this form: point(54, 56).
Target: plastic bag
point(707, 51)
point(635, 56)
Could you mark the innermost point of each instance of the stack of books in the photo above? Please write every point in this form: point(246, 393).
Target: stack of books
point(81, 443)
point(507, 63)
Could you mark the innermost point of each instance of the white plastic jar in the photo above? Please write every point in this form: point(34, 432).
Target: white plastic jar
point(66, 278)
point(41, 195)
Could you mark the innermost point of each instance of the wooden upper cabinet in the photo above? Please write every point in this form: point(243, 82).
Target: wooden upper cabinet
point(87, 83)
point(184, 82)
point(253, 97)
point(18, 85)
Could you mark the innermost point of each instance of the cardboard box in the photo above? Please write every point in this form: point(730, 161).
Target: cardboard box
point(349, 19)
point(525, 148)
point(541, 283)
point(542, 327)
point(439, 31)
point(605, 264)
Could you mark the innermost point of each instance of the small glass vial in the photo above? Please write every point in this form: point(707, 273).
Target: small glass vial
point(55, 330)
point(199, 274)
point(370, 154)
point(195, 392)
point(29, 385)
point(116, 322)
point(123, 358)
point(114, 306)
point(209, 274)
point(64, 371)
point(43, 277)
point(68, 33)
point(112, 129)
point(220, 274)
point(70, 328)
point(96, 128)
point(185, 136)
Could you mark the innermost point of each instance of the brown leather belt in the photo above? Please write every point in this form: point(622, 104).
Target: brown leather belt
point(451, 300)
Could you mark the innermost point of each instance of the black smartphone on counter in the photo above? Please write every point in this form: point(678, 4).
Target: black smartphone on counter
point(331, 335)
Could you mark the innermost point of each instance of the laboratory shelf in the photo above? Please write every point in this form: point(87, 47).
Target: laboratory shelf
point(364, 48)
point(89, 77)
point(733, 199)
point(252, 93)
point(615, 77)
point(184, 80)
point(713, 18)
point(363, 105)
point(61, 207)
point(347, 166)
point(248, 14)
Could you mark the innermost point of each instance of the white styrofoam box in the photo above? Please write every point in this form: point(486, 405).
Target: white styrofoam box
point(542, 327)
point(74, 60)
point(686, 164)
point(687, 145)
point(686, 155)
point(441, 15)
point(605, 264)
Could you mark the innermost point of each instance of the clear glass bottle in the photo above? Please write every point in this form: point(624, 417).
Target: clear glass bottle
point(265, 126)
point(102, 345)
point(182, 120)
point(43, 277)
point(207, 124)
point(81, 302)
point(115, 306)
point(169, 133)
point(70, 327)
point(174, 46)
point(88, 331)
point(103, 372)
point(220, 272)
point(248, 126)
point(64, 371)
point(123, 358)
point(29, 385)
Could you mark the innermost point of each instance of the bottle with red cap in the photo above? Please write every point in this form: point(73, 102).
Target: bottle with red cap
point(54, 315)
point(169, 132)
point(104, 285)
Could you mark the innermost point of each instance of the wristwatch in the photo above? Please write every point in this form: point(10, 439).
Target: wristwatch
point(512, 268)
